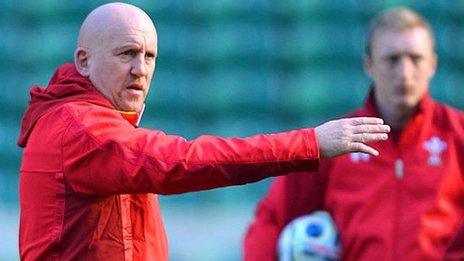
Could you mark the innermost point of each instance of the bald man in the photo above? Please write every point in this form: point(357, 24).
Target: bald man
point(89, 176)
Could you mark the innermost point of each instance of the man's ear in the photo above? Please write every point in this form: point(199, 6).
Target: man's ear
point(434, 64)
point(81, 60)
point(368, 65)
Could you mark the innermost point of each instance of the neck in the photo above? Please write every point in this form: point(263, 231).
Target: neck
point(397, 117)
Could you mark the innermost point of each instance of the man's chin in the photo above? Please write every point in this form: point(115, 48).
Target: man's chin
point(407, 104)
point(131, 107)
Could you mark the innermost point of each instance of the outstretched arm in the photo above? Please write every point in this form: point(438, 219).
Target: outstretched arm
point(104, 155)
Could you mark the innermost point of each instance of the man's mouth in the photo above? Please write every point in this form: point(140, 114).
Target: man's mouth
point(405, 88)
point(135, 89)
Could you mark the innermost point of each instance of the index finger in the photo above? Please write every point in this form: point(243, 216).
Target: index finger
point(365, 120)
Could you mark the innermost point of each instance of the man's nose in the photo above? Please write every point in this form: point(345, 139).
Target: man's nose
point(138, 66)
point(405, 68)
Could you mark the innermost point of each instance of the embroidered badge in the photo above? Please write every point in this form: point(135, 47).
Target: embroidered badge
point(435, 146)
point(359, 156)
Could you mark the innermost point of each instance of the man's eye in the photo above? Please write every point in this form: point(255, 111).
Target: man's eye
point(393, 59)
point(128, 53)
point(150, 56)
point(416, 58)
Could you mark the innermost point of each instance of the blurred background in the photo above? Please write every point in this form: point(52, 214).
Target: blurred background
point(225, 67)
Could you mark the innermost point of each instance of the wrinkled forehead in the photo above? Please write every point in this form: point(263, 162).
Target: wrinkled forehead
point(140, 39)
point(131, 30)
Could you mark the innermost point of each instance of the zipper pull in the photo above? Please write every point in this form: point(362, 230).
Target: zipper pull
point(399, 169)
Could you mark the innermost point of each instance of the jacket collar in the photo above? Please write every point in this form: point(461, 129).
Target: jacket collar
point(415, 125)
point(133, 118)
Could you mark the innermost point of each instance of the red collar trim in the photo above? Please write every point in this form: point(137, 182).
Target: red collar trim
point(133, 118)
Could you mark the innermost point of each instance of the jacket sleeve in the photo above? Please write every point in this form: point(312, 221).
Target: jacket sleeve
point(103, 154)
point(288, 197)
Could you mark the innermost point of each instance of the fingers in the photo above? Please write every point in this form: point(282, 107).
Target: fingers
point(361, 147)
point(365, 120)
point(365, 130)
point(377, 128)
point(369, 137)
point(350, 135)
point(371, 129)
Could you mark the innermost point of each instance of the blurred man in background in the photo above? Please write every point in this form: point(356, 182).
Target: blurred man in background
point(88, 174)
point(377, 203)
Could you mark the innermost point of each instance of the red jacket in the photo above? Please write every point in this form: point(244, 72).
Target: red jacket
point(447, 209)
point(376, 202)
point(87, 174)
point(455, 248)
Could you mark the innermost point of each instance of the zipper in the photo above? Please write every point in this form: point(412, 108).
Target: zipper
point(399, 169)
point(399, 175)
